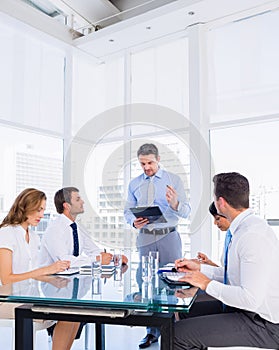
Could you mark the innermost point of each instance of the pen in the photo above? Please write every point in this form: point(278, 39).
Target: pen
point(60, 260)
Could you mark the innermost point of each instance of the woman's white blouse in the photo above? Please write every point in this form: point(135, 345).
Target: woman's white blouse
point(25, 255)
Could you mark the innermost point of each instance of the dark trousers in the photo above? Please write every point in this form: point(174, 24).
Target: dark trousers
point(207, 325)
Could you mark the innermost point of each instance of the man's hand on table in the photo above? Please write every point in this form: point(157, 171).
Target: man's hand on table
point(192, 273)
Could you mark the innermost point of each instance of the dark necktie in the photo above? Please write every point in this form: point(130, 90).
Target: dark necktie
point(75, 239)
point(226, 250)
point(75, 288)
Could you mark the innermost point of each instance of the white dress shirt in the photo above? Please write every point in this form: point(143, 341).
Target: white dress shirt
point(25, 255)
point(253, 278)
point(57, 244)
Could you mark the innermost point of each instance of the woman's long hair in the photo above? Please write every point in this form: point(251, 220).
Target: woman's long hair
point(26, 202)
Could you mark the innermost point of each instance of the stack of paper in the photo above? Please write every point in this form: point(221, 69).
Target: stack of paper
point(108, 269)
point(85, 270)
point(105, 269)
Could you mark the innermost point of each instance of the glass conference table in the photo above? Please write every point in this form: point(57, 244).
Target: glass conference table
point(119, 298)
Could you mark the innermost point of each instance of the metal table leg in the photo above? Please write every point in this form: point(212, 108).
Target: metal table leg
point(23, 331)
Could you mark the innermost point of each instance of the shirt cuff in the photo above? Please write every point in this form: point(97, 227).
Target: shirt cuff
point(177, 211)
point(214, 288)
point(207, 270)
point(179, 206)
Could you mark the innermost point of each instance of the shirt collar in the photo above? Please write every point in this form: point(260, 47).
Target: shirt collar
point(22, 229)
point(158, 174)
point(66, 219)
point(242, 216)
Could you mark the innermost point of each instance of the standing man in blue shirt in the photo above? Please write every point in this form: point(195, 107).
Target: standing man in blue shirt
point(168, 193)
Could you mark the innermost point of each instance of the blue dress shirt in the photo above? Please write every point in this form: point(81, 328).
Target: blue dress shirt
point(137, 196)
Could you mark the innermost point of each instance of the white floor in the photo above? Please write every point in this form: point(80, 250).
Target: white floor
point(117, 338)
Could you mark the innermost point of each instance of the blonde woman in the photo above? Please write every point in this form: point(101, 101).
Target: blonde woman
point(19, 256)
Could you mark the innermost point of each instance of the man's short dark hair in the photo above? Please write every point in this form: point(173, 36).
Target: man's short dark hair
point(63, 196)
point(148, 148)
point(233, 187)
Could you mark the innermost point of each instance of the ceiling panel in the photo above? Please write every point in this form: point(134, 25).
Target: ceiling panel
point(118, 30)
point(172, 18)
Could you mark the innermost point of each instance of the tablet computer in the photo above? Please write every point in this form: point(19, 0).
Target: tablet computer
point(153, 214)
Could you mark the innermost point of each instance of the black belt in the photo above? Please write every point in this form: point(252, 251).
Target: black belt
point(158, 231)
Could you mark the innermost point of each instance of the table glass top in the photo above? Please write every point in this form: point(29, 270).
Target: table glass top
point(122, 289)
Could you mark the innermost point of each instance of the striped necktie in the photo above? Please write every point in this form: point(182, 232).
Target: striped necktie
point(150, 197)
point(226, 250)
point(150, 192)
point(75, 239)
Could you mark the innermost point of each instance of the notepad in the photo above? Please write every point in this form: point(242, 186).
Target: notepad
point(172, 278)
point(70, 271)
point(166, 269)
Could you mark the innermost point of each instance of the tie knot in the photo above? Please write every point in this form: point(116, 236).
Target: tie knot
point(74, 226)
point(228, 239)
point(229, 234)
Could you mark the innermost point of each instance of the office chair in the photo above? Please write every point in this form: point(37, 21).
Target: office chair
point(37, 326)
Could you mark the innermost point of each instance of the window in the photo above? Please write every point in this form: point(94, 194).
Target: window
point(32, 80)
point(252, 151)
point(1, 203)
point(160, 87)
point(107, 181)
point(96, 89)
point(29, 160)
point(160, 76)
point(244, 80)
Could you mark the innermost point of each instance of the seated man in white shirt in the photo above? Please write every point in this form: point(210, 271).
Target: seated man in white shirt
point(247, 285)
point(58, 241)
